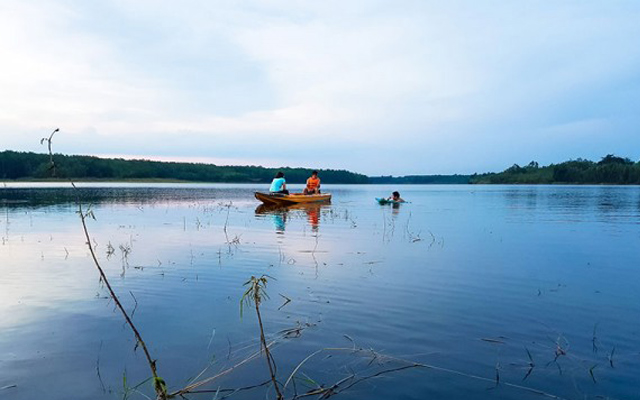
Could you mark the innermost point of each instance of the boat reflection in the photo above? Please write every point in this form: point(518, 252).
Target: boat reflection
point(280, 214)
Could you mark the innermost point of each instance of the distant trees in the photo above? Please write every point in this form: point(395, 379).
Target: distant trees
point(572, 171)
point(21, 165)
point(610, 169)
point(421, 179)
point(611, 159)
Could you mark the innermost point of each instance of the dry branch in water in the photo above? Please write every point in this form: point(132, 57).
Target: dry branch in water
point(52, 164)
point(158, 383)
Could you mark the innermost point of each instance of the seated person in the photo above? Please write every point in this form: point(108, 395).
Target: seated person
point(279, 185)
point(313, 184)
point(395, 196)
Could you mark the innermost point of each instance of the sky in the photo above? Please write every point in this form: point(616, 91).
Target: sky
point(377, 87)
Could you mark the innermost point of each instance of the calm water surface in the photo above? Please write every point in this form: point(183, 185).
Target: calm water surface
point(536, 285)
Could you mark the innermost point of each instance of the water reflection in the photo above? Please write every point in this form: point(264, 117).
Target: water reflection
point(522, 198)
point(280, 214)
point(395, 209)
point(571, 203)
point(37, 197)
point(468, 262)
point(612, 201)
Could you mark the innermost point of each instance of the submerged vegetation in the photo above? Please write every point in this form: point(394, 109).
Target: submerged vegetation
point(610, 169)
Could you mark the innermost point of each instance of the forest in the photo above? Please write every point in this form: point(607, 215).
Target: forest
point(610, 169)
point(33, 166)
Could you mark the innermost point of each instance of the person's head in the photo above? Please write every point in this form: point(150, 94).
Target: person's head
point(314, 173)
point(396, 195)
point(280, 174)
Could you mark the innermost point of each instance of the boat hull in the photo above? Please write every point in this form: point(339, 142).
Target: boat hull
point(294, 198)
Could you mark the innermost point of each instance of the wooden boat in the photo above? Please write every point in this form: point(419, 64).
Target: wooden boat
point(293, 198)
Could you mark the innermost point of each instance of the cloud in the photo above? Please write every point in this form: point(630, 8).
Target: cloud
point(439, 86)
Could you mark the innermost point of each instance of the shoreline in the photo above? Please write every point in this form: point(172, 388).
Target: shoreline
point(177, 181)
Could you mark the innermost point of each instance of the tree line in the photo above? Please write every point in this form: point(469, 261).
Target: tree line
point(611, 169)
point(420, 179)
point(33, 166)
point(15, 165)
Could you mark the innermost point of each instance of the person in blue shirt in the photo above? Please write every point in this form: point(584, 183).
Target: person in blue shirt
point(279, 185)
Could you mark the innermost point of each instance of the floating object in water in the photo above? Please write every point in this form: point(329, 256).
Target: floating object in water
point(294, 198)
point(380, 200)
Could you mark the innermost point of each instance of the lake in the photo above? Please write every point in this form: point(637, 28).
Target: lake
point(484, 292)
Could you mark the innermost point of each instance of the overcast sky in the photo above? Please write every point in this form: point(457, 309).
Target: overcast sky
point(378, 87)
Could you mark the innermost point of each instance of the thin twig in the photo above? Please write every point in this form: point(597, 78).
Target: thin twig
point(190, 388)
point(286, 300)
point(159, 384)
point(284, 387)
point(52, 164)
point(104, 389)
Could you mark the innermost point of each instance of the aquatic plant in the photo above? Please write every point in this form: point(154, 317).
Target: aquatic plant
point(255, 294)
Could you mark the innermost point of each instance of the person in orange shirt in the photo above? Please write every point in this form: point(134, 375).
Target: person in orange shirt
point(313, 184)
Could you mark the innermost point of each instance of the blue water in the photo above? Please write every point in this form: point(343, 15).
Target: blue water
point(498, 292)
